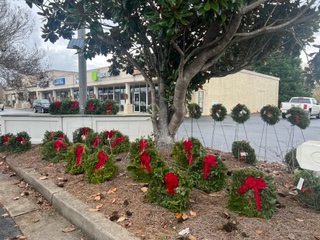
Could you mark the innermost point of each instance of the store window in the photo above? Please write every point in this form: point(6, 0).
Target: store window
point(139, 97)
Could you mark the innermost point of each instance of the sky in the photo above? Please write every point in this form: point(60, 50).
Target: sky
point(61, 58)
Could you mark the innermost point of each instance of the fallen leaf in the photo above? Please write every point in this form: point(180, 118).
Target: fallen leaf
point(190, 237)
point(97, 198)
point(317, 237)
point(184, 231)
point(258, 231)
point(20, 237)
point(112, 190)
point(93, 209)
point(5, 215)
point(144, 189)
point(121, 219)
point(16, 198)
point(193, 213)
point(113, 201)
point(178, 214)
point(99, 206)
point(185, 216)
point(128, 224)
point(69, 229)
point(299, 220)
point(43, 177)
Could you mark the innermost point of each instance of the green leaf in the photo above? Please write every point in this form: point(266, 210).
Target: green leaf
point(207, 6)
point(215, 6)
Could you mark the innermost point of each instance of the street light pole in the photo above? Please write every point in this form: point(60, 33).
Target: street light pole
point(82, 75)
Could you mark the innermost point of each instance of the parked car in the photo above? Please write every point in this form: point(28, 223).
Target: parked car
point(41, 105)
point(2, 106)
point(310, 105)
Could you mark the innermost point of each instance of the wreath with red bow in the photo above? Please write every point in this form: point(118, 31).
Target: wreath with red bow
point(298, 117)
point(75, 156)
point(194, 110)
point(218, 112)
point(242, 151)
point(19, 142)
point(54, 150)
point(54, 135)
point(270, 114)
point(109, 107)
point(115, 141)
point(4, 141)
point(81, 134)
point(240, 113)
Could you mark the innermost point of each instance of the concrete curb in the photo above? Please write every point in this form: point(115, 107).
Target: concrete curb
point(93, 224)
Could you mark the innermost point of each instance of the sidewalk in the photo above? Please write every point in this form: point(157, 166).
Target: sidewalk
point(37, 224)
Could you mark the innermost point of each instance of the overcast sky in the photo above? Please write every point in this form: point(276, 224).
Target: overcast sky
point(61, 58)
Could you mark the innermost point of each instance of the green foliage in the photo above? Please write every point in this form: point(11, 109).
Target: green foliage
point(194, 110)
point(244, 203)
point(157, 192)
point(291, 160)
point(217, 175)
point(96, 175)
point(244, 152)
point(136, 169)
point(93, 106)
point(218, 112)
point(75, 156)
point(240, 113)
point(80, 134)
point(54, 135)
point(69, 106)
point(115, 141)
point(19, 142)
point(310, 192)
point(4, 142)
point(54, 150)
point(55, 107)
point(92, 140)
point(109, 107)
point(270, 114)
point(180, 156)
point(298, 117)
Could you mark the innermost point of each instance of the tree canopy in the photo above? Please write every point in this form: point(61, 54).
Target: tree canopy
point(20, 64)
point(177, 44)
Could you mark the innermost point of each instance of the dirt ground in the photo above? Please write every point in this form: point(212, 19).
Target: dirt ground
point(122, 200)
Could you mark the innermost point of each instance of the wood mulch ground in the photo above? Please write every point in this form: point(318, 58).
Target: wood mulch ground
point(122, 200)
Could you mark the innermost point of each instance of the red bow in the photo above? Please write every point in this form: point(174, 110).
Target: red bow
point(208, 161)
point(171, 181)
point(187, 144)
point(108, 108)
point(109, 134)
point(144, 161)
point(57, 144)
point(117, 140)
point(96, 141)
point(296, 117)
point(57, 104)
point(257, 184)
point(61, 136)
point(90, 106)
point(74, 104)
point(20, 139)
point(78, 151)
point(102, 157)
point(5, 138)
point(142, 145)
point(84, 130)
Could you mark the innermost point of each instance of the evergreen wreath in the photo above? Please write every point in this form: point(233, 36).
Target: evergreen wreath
point(218, 112)
point(240, 113)
point(109, 107)
point(75, 156)
point(309, 194)
point(69, 106)
point(4, 142)
point(54, 135)
point(299, 117)
point(194, 110)
point(170, 189)
point(93, 106)
point(185, 151)
point(93, 140)
point(55, 107)
point(270, 114)
point(250, 189)
point(115, 141)
point(99, 167)
point(80, 134)
point(19, 142)
point(54, 150)
point(144, 159)
point(244, 152)
point(208, 174)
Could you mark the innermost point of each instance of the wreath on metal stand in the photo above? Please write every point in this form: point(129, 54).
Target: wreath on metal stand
point(270, 115)
point(240, 114)
point(218, 114)
point(195, 113)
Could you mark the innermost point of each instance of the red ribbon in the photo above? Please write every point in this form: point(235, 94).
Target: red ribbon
point(208, 161)
point(145, 161)
point(74, 104)
point(90, 106)
point(108, 108)
point(96, 141)
point(58, 143)
point(117, 140)
point(78, 151)
point(171, 181)
point(5, 138)
point(109, 134)
point(257, 184)
point(102, 157)
point(20, 139)
point(142, 145)
point(187, 144)
point(57, 104)
point(84, 130)
point(296, 117)
point(61, 136)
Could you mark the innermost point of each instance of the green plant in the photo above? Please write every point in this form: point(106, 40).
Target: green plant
point(54, 150)
point(115, 141)
point(4, 142)
point(75, 156)
point(69, 106)
point(54, 135)
point(80, 134)
point(252, 193)
point(109, 107)
point(240, 113)
point(244, 152)
point(55, 107)
point(291, 160)
point(298, 117)
point(309, 193)
point(19, 142)
point(93, 106)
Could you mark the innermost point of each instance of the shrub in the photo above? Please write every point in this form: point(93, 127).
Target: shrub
point(244, 152)
point(310, 191)
point(93, 106)
point(291, 160)
point(19, 142)
point(242, 199)
point(109, 107)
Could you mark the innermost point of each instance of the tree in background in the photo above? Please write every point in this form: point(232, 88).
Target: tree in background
point(288, 69)
point(177, 45)
point(20, 64)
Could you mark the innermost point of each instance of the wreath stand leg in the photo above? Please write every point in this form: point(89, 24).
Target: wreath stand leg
point(291, 136)
point(185, 129)
point(224, 135)
point(264, 126)
point(191, 127)
point(245, 131)
point(212, 138)
point(204, 144)
point(236, 132)
point(275, 132)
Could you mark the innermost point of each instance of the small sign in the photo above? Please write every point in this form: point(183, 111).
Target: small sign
point(300, 183)
point(59, 81)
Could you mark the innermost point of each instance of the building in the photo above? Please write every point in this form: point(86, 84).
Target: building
point(132, 94)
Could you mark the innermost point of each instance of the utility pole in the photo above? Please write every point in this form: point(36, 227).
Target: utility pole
point(82, 75)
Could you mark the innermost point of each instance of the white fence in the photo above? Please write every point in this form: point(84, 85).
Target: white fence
point(36, 125)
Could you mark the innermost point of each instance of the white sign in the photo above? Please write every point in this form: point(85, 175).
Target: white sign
point(103, 74)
